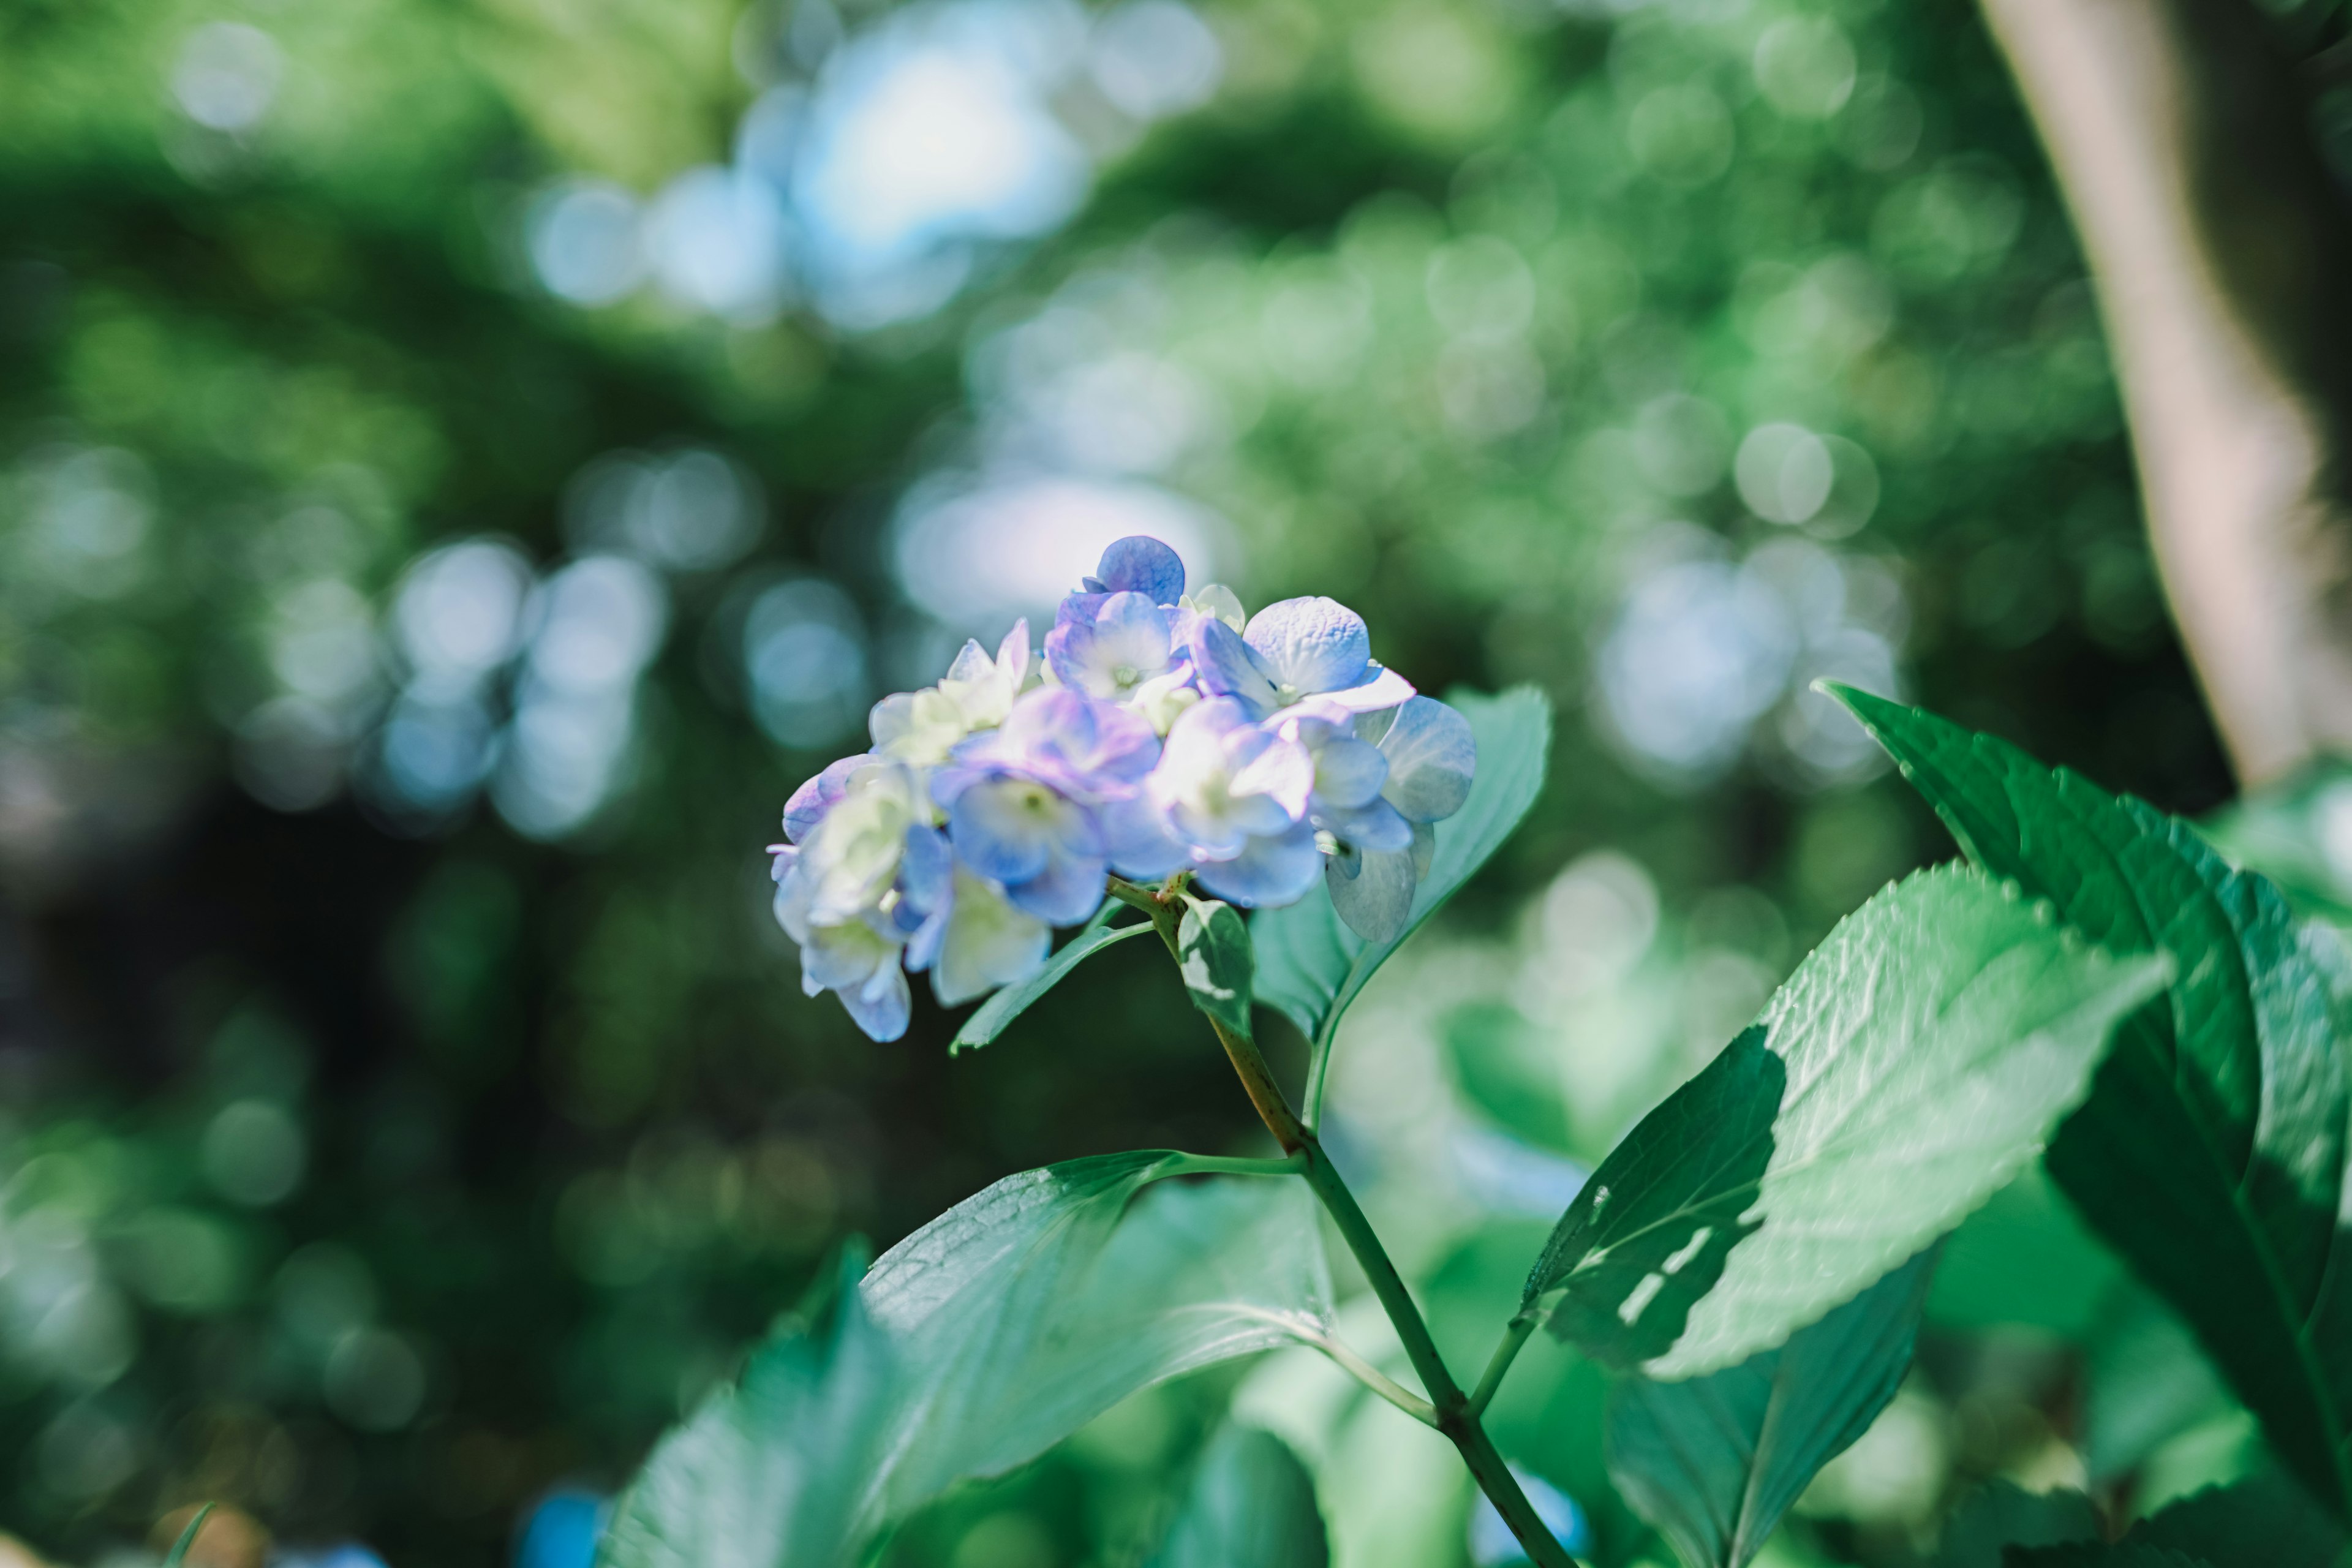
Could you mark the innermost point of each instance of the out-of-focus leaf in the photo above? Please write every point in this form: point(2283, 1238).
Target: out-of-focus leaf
point(179, 1553)
point(2097, 1555)
point(2295, 833)
point(1311, 966)
point(771, 1471)
point(2001, 1515)
point(2213, 1153)
point(1213, 953)
point(2264, 1521)
point(1500, 1067)
point(970, 1347)
point(1251, 1505)
point(2149, 1382)
point(2026, 1258)
point(1914, 1061)
point(1714, 1462)
point(991, 1018)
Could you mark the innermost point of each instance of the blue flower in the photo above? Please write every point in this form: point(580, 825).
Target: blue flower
point(1109, 645)
point(1230, 799)
point(849, 891)
point(1022, 801)
point(1293, 650)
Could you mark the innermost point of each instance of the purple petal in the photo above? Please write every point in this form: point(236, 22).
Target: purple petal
point(809, 803)
point(1141, 564)
point(1311, 645)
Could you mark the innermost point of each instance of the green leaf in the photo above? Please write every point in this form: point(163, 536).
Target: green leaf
point(2095, 1554)
point(1311, 966)
point(769, 1470)
point(970, 1347)
point(2002, 1514)
point(2213, 1153)
point(2293, 833)
point(991, 1018)
point(1505, 1068)
point(2264, 1521)
point(2148, 1381)
point(1252, 1505)
point(1213, 953)
point(1914, 1061)
point(179, 1553)
point(1714, 1462)
point(1026, 1312)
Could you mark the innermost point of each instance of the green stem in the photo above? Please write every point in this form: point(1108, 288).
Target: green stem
point(1451, 1410)
point(1379, 1382)
point(1454, 1415)
point(1500, 1362)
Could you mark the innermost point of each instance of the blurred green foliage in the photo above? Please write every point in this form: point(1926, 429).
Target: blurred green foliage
point(375, 1161)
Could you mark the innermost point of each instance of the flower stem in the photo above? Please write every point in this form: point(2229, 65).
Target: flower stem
point(1452, 1411)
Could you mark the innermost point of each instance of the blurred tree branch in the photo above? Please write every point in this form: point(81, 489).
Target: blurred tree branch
point(2180, 130)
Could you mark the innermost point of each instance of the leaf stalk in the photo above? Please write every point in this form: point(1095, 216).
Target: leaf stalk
point(1450, 1411)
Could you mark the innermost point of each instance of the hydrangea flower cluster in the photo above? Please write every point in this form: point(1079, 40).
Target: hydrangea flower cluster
point(1160, 734)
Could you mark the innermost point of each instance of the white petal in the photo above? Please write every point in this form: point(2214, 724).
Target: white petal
point(989, 943)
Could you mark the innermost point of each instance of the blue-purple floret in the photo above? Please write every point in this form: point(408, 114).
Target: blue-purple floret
point(1159, 736)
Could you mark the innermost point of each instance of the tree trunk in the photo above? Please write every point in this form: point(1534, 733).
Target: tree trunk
point(2178, 131)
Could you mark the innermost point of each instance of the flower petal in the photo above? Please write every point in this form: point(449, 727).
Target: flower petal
point(1066, 892)
point(1006, 828)
point(1431, 759)
point(1138, 842)
point(987, 944)
point(1311, 645)
point(1382, 688)
point(1229, 667)
point(1347, 772)
point(881, 1008)
point(809, 803)
point(1379, 826)
point(1142, 564)
point(1374, 892)
point(1268, 871)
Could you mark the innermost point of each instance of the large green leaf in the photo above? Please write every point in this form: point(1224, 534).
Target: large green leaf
point(971, 1347)
point(1914, 1061)
point(1714, 1462)
point(1251, 1505)
point(2213, 1153)
point(1311, 966)
point(769, 1470)
point(991, 1018)
point(1025, 1312)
